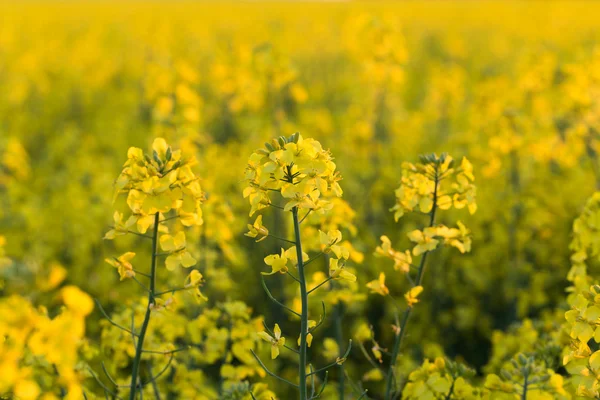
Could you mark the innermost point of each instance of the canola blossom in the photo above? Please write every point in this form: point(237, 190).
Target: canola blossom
point(300, 200)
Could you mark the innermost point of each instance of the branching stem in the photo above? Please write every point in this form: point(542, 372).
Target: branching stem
point(142, 334)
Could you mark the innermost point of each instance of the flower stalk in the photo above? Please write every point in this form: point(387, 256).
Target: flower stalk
point(304, 313)
point(140, 343)
point(390, 379)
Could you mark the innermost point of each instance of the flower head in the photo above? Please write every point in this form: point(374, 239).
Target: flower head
point(123, 264)
point(378, 285)
point(276, 341)
point(402, 261)
point(257, 230)
point(337, 270)
point(278, 263)
point(299, 169)
point(176, 247)
point(412, 294)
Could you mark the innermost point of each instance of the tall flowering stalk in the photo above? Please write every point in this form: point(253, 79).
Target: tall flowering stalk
point(431, 185)
point(301, 175)
point(159, 187)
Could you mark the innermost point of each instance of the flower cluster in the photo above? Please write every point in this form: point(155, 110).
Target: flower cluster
point(159, 183)
point(526, 378)
point(435, 179)
point(156, 185)
point(32, 340)
point(441, 379)
point(299, 169)
point(305, 177)
point(432, 184)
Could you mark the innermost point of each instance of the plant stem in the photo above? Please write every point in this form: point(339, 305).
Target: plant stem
point(142, 334)
point(525, 383)
point(339, 313)
point(398, 342)
point(304, 314)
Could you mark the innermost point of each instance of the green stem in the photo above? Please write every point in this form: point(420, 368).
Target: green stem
point(304, 314)
point(398, 342)
point(142, 334)
point(339, 313)
point(451, 390)
point(525, 383)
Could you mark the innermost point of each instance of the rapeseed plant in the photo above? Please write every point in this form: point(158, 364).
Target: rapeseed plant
point(302, 174)
point(159, 187)
point(434, 183)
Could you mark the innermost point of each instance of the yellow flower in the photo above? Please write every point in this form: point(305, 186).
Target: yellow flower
point(175, 245)
point(425, 240)
point(378, 285)
point(337, 271)
point(278, 263)
point(77, 300)
point(412, 294)
point(276, 341)
point(330, 242)
point(292, 255)
point(402, 261)
point(257, 230)
point(309, 336)
point(119, 227)
point(123, 265)
point(193, 281)
point(299, 169)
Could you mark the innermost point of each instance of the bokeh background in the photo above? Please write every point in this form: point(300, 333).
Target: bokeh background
point(512, 85)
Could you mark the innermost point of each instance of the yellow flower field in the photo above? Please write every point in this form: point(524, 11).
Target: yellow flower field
point(300, 200)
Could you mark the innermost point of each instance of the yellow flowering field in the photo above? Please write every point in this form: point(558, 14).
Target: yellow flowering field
point(300, 200)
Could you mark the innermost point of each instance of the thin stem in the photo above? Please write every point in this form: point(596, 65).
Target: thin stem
point(312, 381)
point(168, 351)
point(282, 239)
point(141, 273)
point(313, 259)
point(451, 390)
point(111, 321)
point(333, 364)
point(142, 335)
point(368, 357)
point(110, 378)
point(390, 380)
point(141, 284)
point(525, 383)
point(179, 289)
point(168, 219)
point(322, 386)
point(321, 319)
point(339, 337)
point(140, 234)
point(319, 285)
point(269, 372)
point(154, 384)
point(162, 371)
point(276, 206)
point(264, 284)
point(106, 389)
point(304, 315)
point(292, 276)
point(305, 215)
